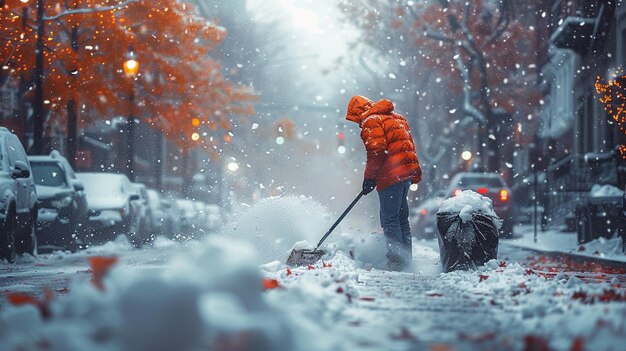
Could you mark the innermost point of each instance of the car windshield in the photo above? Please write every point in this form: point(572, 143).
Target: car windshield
point(48, 174)
point(488, 182)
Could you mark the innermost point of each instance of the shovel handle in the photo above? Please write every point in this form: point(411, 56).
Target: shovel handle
point(339, 220)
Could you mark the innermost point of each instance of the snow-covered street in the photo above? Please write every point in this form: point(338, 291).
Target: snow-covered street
point(518, 301)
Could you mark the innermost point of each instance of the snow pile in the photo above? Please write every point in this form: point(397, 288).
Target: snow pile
point(466, 203)
point(274, 225)
point(606, 190)
point(603, 247)
point(211, 300)
point(555, 307)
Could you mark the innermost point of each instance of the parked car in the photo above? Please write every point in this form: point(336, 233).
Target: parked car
point(490, 185)
point(18, 199)
point(112, 210)
point(172, 227)
point(156, 213)
point(81, 199)
point(190, 216)
point(214, 217)
point(143, 212)
point(424, 218)
point(59, 200)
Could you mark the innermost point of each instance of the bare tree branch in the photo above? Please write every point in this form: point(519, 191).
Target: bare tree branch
point(467, 97)
point(89, 10)
point(438, 36)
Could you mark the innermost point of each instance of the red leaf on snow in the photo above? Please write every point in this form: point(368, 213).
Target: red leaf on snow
point(17, 299)
point(529, 271)
point(288, 272)
point(483, 277)
point(581, 248)
point(326, 265)
point(309, 267)
point(366, 298)
point(270, 283)
point(502, 264)
point(535, 343)
point(404, 334)
point(578, 344)
point(100, 266)
point(339, 290)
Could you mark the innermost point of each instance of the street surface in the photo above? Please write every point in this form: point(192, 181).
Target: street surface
point(385, 310)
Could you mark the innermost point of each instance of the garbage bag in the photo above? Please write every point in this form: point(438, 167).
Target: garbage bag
point(465, 245)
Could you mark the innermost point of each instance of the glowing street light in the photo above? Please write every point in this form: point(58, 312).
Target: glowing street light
point(466, 155)
point(131, 65)
point(233, 166)
point(195, 136)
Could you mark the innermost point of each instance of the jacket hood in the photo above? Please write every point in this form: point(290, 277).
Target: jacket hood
point(360, 107)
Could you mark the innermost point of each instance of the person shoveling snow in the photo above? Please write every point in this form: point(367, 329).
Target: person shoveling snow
point(392, 166)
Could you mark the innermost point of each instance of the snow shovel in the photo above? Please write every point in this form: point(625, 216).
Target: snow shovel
point(303, 257)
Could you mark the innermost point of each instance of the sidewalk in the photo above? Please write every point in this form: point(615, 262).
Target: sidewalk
point(555, 241)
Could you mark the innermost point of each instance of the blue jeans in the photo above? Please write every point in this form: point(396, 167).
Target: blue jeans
point(394, 218)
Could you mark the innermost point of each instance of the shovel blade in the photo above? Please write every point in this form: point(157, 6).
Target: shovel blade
point(304, 257)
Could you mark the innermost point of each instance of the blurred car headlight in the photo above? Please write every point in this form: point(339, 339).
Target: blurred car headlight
point(62, 202)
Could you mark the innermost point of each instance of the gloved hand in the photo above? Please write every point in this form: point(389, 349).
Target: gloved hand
point(368, 185)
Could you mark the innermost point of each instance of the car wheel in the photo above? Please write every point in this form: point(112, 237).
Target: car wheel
point(7, 237)
point(27, 241)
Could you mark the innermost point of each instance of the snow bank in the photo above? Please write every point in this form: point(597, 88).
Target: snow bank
point(466, 203)
point(211, 299)
point(606, 190)
point(274, 225)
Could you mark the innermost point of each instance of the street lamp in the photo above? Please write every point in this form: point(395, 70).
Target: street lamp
point(131, 68)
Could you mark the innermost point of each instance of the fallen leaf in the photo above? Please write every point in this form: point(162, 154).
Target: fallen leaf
point(288, 272)
point(502, 264)
point(578, 344)
point(270, 283)
point(535, 343)
point(18, 299)
point(367, 298)
point(483, 277)
point(100, 266)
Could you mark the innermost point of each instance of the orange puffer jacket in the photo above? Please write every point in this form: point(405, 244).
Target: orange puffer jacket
point(391, 156)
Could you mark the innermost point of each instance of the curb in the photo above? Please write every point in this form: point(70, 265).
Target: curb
point(574, 257)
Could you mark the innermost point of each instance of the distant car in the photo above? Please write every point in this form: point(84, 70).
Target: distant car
point(18, 199)
point(190, 216)
point(59, 200)
point(213, 216)
point(81, 199)
point(424, 218)
point(111, 211)
point(172, 226)
point(490, 185)
point(156, 213)
point(143, 212)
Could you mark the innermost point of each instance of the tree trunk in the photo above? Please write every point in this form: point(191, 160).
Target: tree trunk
point(38, 108)
point(72, 132)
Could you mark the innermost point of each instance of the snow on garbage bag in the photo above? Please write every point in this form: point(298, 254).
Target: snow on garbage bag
point(468, 231)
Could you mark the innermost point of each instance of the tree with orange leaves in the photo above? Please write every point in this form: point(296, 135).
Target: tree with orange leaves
point(477, 46)
point(86, 43)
